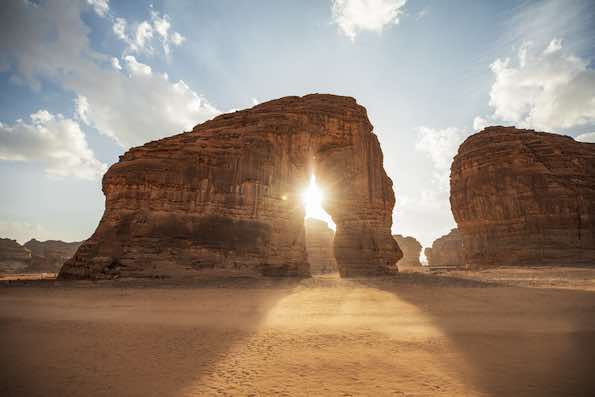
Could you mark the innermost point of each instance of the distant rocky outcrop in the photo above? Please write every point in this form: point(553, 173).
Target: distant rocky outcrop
point(50, 255)
point(411, 250)
point(446, 250)
point(226, 196)
point(522, 197)
point(319, 246)
point(14, 258)
point(34, 256)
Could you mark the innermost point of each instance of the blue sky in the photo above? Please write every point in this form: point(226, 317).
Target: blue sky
point(82, 81)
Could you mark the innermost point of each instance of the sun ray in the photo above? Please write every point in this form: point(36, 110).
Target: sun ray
point(313, 198)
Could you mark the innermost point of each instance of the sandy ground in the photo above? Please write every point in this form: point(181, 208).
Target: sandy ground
point(414, 335)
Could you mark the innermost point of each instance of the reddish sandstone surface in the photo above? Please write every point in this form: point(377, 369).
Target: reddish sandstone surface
point(225, 197)
point(522, 197)
point(319, 246)
point(411, 249)
point(446, 250)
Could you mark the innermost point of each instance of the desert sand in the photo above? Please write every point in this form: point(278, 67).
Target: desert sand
point(414, 335)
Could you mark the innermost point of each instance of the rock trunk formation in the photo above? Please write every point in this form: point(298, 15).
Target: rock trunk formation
point(522, 197)
point(411, 249)
point(225, 197)
point(446, 250)
point(319, 247)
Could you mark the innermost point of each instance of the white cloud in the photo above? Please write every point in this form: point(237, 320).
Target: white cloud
point(55, 141)
point(136, 105)
point(142, 37)
point(440, 145)
point(116, 63)
point(354, 16)
point(479, 123)
point(546, 90)
point(23, 231)
point(137, 68)
point(124, 99)
point(588, 137)
point(119, 28)
point(101, 7)
point(177, 38)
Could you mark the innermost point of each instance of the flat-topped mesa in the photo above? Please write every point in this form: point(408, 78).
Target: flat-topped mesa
point(446, 250)
point(522, 197)
point(225, 197)
point(411, 249)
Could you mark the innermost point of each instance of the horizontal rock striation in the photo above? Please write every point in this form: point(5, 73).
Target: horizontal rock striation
point(411, 249)
point(522, 197)
point(225, 197)
point(446, 250)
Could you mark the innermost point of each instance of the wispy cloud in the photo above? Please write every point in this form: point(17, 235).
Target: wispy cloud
point(354, 16)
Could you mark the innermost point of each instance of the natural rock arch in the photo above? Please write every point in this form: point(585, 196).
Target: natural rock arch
point(225, 197)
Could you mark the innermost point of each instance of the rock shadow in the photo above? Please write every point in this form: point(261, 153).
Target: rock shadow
point(514, 341)
point(125, 338)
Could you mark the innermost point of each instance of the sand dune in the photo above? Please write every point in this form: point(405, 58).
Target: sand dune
point(416, 335)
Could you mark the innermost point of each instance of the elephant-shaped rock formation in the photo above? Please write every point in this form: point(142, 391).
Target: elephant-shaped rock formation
point(224, 198)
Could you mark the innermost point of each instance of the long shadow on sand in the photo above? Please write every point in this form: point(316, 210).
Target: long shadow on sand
point(514, 341)
point(124, 339)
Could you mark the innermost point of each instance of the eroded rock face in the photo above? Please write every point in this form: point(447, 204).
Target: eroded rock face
point(319, 247)
point(50, 255)
point(446, 250)
point(225, 197)
point(14, 258)
point(411, 249)
point(522, 197)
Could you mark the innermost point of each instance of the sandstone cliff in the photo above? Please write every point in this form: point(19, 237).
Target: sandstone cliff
point(411, 249)
point(225, 197)
point(319, 247)
point(50, 255)
point(14, 258)
point(446, 250)
point(522, 197)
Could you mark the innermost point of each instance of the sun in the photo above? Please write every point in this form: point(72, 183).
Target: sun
point(312, 198)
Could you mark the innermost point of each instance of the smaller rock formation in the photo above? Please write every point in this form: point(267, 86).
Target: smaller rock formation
point(411, 249)
point(14, 258)
point(50, 255)
point(446, 250)
point(522, 197)
point(319, 246)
